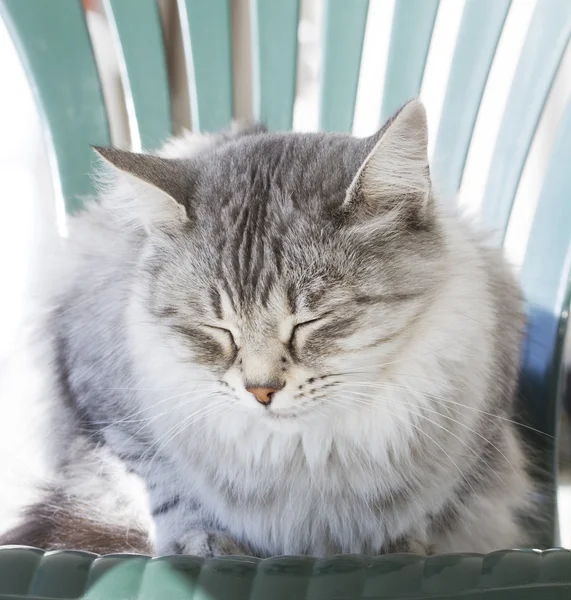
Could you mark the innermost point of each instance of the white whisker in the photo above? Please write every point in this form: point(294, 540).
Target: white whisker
point(439, 425)
point(462, 474)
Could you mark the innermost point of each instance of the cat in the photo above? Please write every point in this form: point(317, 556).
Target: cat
point(281, 343)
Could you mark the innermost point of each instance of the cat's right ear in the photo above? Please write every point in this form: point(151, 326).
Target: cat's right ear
point(151, 190)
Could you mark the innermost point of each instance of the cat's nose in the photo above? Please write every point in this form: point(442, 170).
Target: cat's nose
point(263, 395)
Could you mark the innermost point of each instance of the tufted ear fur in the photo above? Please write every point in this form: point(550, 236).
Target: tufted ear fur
point(155, 190)
point(394, 180)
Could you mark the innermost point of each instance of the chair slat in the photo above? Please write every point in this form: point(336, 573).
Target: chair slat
point(206, 32)
point(411, 34)
point(478, 36)
point(137, 29)
point(541, 55)
point(274, 50)
point(54, 45)
point(544, 274)
point(545, 280)
point(342, 48)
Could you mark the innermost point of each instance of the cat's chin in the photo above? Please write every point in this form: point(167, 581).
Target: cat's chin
point(281, 416)
point(290, 420)
point(285, 423)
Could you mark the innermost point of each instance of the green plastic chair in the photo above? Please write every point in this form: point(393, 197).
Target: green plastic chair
point(54, 45)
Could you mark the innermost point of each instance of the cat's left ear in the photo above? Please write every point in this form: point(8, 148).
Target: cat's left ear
point(158, 189)
point(394, 180)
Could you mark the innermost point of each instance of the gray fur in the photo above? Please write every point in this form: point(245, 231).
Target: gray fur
point(318, 262)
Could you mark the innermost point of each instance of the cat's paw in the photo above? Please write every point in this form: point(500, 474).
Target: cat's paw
point(408, 546)
point(200, 543)
point(418, 547)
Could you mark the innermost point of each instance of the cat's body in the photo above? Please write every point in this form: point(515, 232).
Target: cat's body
point(320, 262)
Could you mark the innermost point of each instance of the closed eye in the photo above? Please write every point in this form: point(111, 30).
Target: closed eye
point(305, 323)
point(300, 327)
point(222, 331)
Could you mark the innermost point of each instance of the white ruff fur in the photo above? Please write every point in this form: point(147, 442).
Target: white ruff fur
point(283, 466)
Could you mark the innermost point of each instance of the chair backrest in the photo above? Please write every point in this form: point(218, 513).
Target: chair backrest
point(55, 47)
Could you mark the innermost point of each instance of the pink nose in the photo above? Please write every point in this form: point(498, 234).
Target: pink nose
point(263, 394)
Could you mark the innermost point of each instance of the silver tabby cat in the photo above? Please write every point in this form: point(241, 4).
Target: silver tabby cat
point(292, 345)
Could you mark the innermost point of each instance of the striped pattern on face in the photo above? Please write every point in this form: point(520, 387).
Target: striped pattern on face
point(270, 268)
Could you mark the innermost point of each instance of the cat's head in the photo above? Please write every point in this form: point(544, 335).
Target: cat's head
point(285, 265)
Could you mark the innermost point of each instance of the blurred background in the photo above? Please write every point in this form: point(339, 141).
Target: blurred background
point(31, 213)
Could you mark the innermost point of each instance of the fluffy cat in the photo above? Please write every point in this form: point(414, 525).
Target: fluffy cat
point(292, 345)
